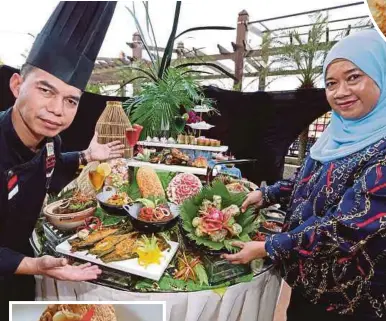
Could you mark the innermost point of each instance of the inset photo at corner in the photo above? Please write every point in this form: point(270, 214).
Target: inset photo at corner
point(89, 311)
point(378, 12)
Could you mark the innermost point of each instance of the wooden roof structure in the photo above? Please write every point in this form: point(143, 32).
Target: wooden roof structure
point(109, 71)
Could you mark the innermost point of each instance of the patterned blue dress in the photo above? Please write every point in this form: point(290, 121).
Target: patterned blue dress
point(333, 245)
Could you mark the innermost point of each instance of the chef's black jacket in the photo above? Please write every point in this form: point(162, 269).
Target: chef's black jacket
point(23, 186)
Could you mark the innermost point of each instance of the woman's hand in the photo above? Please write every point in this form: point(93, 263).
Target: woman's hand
point(253, 198)
point(249, 251)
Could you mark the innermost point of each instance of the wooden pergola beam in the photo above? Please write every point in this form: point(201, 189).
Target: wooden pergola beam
point(256, 74)
point(113, 78)
point(200, 54)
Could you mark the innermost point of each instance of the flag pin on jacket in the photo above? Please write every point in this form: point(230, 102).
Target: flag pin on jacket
point(13, 187)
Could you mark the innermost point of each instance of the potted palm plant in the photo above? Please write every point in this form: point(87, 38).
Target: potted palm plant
point(167, 90)
point(306, 54)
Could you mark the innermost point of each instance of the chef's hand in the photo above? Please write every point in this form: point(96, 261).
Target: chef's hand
point(249, 251)
point(253, 198)
point(102, 152)
point(60, 269)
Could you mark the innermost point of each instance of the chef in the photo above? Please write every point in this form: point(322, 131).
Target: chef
point(47, 92)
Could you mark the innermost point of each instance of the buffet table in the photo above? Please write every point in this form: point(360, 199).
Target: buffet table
point(252, 301)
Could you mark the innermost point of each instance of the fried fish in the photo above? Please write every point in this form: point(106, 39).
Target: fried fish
point(93, 238)
point(108, 244)
point(123, 250)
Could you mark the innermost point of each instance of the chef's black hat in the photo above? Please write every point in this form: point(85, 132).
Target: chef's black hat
point(69, 43)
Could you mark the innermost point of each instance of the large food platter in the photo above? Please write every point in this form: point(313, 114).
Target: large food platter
point(153, 271)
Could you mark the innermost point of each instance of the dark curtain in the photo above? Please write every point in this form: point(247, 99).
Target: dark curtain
point(260, 125)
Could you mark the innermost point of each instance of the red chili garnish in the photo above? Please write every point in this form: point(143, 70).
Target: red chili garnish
point(94, 220)
point(90, 221)
point(259, 237)
point(89, 314)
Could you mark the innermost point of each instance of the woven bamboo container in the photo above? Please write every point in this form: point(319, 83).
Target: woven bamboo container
point(112, 125)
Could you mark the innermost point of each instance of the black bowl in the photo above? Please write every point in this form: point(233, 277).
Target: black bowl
point(102, 198)
point(132, 211)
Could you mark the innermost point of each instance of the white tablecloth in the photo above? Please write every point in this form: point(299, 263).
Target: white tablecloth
point(253, 301)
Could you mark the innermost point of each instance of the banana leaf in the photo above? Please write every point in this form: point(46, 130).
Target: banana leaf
point(168, 284)
point(190, 208)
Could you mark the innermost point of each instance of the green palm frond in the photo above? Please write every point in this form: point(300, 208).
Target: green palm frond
point(204, 28)
point(167, 57)
point(207, 64)
point(149, 27)
point(159, 103)
point(307, 53)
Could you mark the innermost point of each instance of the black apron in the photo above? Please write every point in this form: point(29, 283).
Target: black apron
point(23, 208)
point(22, 195)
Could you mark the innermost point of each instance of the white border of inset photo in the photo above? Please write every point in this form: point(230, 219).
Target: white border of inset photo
point(373, 20)
point(115, 303)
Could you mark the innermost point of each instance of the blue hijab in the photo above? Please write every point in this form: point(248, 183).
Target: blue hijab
point(367, 50)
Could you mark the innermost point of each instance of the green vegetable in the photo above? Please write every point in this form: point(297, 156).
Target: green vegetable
point(196, 221)
point(198, 232)
point(146, 202)
point(201, 274)
point(219, 236)
point(237, 229)
point(231, 221)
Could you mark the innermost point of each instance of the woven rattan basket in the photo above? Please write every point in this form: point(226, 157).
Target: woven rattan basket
point(112, 125)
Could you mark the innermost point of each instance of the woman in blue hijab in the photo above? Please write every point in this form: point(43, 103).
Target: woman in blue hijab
point(332, 250)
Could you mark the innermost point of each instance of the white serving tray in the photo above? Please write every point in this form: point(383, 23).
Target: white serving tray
point(201, 126)
point(169, 168)
point(153, 271)
point(202, 109)
point(219, 149)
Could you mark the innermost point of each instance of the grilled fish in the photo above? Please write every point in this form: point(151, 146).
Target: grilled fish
point(108, 244)
point(93, 238)
point(123, 251)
